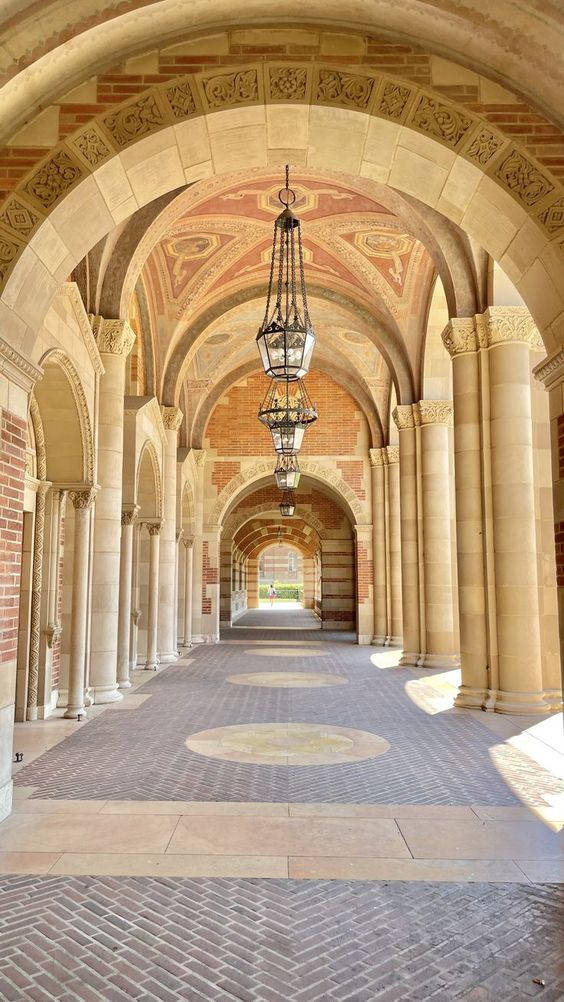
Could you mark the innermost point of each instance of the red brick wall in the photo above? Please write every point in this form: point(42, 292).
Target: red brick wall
point(353, 475)
point(12, 466)
point(210, 575)
point(364, 572)
point(234, 429)
point(322, 506)
point(222, 473)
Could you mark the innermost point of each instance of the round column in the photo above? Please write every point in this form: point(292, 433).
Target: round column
point(115, 339)
point(36, 586)
point(435, 420)
point(364, 584)
point(151, 657)
point(82, 501)
point(128, 517)
point(379, 551)
point(405, 423)
point(172, 419)
point(394, 636)
point(188, 555)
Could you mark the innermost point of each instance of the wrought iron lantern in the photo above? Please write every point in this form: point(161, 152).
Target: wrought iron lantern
point(287, 505)
point(287, 473)
point(287, 411)
point(286, 337)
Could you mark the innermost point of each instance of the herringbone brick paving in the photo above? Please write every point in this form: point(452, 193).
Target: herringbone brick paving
point(141, 754)
point(93, 938)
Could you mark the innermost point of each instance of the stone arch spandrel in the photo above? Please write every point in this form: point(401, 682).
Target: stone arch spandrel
point(67, 428)
point(364, 123)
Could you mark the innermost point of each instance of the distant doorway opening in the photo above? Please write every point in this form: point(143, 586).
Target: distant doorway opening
point(281, 578)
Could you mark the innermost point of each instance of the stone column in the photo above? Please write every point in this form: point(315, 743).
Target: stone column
point(179, 534)
point(128, 517)
point(115, 339)
point(172, 419)
point(392, 471)
point(188, 555)
point(152, 660)
point(135, 611)
point(210, 586)
point(380, 554)
point(496, 530)
point(82, 501)
point(409, 528)
point(197, 567)
point(364, 584)
point(434, 418)
point(252, 583)
point(35, 614)
point(550, 372)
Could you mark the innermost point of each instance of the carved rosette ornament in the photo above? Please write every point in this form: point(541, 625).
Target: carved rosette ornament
point(433, 412)
point(113, 337)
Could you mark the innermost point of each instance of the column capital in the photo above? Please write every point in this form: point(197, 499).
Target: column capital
point(179, 534)
point(392, 453)
point(113, 337)
point(172, 417)
point(460, 336)
point(154, 528)
point(129, 513)
point(551, 370)
point(403, 417)
point(83, 497)
point(377, 457)
point(433, 412)
point(497, 325)
point(188, 543)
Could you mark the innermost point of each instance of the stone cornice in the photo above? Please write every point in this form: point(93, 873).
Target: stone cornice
point(17, 368)
point(113, 337)
point(551, 370)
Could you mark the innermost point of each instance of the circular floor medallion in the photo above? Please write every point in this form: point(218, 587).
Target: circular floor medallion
point(288, 679)
point(287, 744)
point(284, 652)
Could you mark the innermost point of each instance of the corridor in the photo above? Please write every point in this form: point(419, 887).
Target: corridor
point(261, 810)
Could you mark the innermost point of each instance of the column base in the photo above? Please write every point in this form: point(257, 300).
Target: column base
point(106, 694)
point(409, 660)
point(364, 639)
point(73, 712)
point(6, 799)
point(126, 684)
point(171, 656)
point(151, 664)
point(474, 698)
point(439, 661)
point(522, 703)
point(378, 641)
point(393, 642)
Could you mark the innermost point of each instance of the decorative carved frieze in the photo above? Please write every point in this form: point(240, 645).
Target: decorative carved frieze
point(523, 178)
point(54, 179)
point(350, 89)
point(442, 121)
point(393, 100)
point(172, 417)
point(287, 83)
point(114, 337)
point(19, 217)
point(181, 99)
point(83, 498)
point(483, 146)
point(92, 146)
point(551, 370)
point(9, 253)
point(226, 89)
point(433, 412)
point(135, 120)
point(18, 369)
point(552, 217)
point(403, 417)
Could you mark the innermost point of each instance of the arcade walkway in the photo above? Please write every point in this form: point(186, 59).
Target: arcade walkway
point(285, 816)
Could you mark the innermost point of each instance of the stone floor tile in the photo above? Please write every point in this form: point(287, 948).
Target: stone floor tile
point(543, 871)
point(171, 864)
point(481, 839)
point(83, 833)
point(372, 868)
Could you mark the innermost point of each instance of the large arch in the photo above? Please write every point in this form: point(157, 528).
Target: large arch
point(437, 151)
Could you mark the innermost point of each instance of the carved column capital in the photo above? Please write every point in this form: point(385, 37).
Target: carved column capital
point(377, 457)
point(501, 324)
point(433, 412)
point(129, 514)
point(188, 543)
point(172, 417)
point(154, 528)
point(403, 417)
point(392, 452)
point(179, 535)
point(460, 336)
point(113, 337)
point(83, 498)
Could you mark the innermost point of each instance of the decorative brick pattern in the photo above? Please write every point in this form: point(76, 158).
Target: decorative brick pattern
point(12, 466)
point(88, 938)
point(353, 474)
point(442, 759)
point(210, 575)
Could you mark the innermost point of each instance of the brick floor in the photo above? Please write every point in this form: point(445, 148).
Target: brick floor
point(141, 754)
point(150, 939)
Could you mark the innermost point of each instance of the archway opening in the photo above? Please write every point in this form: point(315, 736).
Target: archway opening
point(281, 576)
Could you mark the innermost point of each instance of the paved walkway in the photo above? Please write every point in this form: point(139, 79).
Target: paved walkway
point(284, 816)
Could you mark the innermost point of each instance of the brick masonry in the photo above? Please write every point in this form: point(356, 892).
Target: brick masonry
point(111, 939)
point(141, 755)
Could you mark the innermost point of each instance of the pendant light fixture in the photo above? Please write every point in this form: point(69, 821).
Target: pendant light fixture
point(287, 504)
point(287, 473)
point(287, 411)
point(286, 337)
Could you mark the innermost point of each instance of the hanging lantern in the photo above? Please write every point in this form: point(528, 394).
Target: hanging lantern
point(287, 411)
point(286, 337)
point(287, 473)
point(287, 505)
